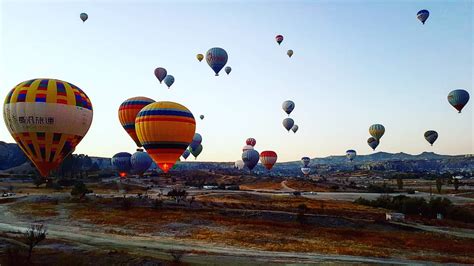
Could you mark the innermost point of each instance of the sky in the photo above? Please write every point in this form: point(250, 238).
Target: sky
point(355, 63)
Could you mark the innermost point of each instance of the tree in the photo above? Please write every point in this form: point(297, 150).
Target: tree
point(439, 184)
point(177, 194)
point(456, 184)
point(80, 189)
point(400, 182)
point(33, 236)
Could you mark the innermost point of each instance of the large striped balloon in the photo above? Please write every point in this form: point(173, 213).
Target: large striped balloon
point(216, 58)
point(165, 129)
point(268, 159)
point(250, 158)
point(127, 113)
point(121, 162)
point(47, 118)
point(377, 131)
point(140, 161)
point(458, 99)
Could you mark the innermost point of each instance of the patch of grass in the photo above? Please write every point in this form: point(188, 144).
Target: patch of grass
point(37, 209)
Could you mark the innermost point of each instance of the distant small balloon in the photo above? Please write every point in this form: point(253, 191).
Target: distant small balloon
point(200, 57)
point(279, 39)
point(373, 143)
point(250, 158)
point(294, 128)
point(202, 117)
point(306, 171)
point(197, 151)
point(83, 17)
point(290, 53)
point(228, 69)
point(305, 160)
point(288, 123)
point(377, 131)
point(431, 136)
point(251, 142)
point(458, 99)
point(216, 58)
point(351, 154)
point(169, 80)
point(268, 159)
point(160, 73)
point(288, 106)
point(423, 15)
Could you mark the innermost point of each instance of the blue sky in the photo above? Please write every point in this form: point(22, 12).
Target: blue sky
point(355, 63)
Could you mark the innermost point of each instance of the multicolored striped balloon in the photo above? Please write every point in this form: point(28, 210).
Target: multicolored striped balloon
point(127, 113)
point(377, 131)
point(165, 129)
point(268, 159)
point(216, 58)
point(47, 118)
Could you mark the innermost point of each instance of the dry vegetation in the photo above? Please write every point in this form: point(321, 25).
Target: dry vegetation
point(262, 185)
point(42, 209)
point(302, 185)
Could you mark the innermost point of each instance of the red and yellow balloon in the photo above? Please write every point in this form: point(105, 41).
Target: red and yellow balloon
point(47, 118)
point(127, 113)
point(165, 129)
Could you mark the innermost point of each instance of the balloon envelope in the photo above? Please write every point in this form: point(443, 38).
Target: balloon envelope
point(431, 136)
point(288, 123)
point(169, 80)
point(200, 57)
point(47, 118)
point(289, 53)
point(250, 158)
point(227, 70)
point(458, 99)
point(305, 161)
point(197, 139)
point(160, 73)
point(279, 39)
point(251, 142)
point(127, 113)
point(423, 15)
point(288, 106)
point(377, 131)
point(306, 170)
point(351, 154)
point(216, 58)
point(121, 162)
point(201, 116)
point(294, 128)
point(140, 161)
point(195, 152)
point(186, 154)
point(268, 159)
point(83, 17)
point(373, 142)
point(247, 147)
point(165, 129)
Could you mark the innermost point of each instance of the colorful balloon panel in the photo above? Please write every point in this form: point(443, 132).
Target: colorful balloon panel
point(165, 129)
point(47, 118)
point(127, 113)
point(268, 159)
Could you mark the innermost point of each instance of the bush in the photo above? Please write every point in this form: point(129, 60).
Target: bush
point(380, 189)
point(460, 214)
point(80, 189)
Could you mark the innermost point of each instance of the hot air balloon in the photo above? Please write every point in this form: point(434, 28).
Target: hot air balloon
point(160, 73)
point(216, 58)
point(431, 136)
point(121, 162)
point(140, 161)
point(288, 106)
point(268, 159)
point(279, 39)
point(227, 69)
point(201, 116)
point(373, 143)
point(47, 118)
point(200, 57)
point(186, 154)
point(169, 80)
point(305, 170)
point(250, 158)
point(288, 123)
point(351, 154)
point(251, 142)
point(377, 131)
point(165, 129)
point(83, 17)
point(239, 164)
point(247, 147)
point(197, 151)
point(289, 53)
point(305, 160)
point(294, 128)
point(458, 99)
point(423, 15)
point(127, 113)
point(197, 139)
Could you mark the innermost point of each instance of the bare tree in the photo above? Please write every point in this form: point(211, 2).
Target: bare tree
point(33, 236)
